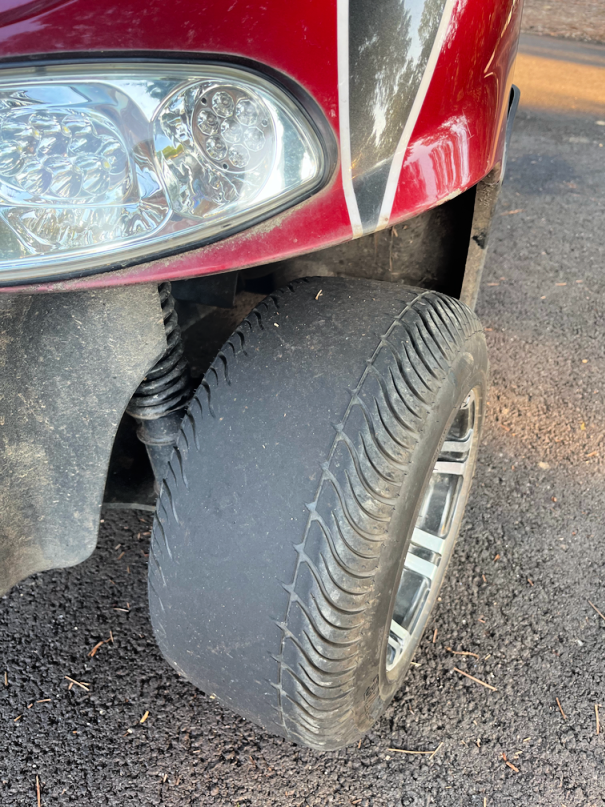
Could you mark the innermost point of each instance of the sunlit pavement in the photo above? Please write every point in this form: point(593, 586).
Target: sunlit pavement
point(561, 76)
point(531, 556)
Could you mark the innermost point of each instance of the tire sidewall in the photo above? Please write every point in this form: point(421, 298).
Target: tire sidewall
point(374, 689)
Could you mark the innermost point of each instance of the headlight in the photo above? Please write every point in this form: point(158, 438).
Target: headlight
point(105, 165)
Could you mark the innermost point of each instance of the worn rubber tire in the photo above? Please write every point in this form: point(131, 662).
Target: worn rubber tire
point(288, 507)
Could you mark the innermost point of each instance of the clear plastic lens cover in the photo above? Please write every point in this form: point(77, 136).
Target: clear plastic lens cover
point(107, 165)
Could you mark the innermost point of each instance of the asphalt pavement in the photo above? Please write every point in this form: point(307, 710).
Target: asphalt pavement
point(575, 19)
point(515, 608)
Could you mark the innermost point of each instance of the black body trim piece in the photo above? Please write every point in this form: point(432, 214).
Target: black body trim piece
point(389, 48)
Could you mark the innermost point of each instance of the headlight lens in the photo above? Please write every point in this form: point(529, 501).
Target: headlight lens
point(101, 166)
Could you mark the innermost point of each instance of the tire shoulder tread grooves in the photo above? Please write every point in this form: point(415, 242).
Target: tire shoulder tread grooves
point(420, 367)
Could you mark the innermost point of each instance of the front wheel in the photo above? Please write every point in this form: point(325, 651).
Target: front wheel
point(313, 503)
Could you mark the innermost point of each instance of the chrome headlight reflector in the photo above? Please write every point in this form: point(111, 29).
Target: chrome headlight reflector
point(106, 165)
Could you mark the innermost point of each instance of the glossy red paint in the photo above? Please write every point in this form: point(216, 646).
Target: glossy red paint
point(456, 141)
point(459, 135)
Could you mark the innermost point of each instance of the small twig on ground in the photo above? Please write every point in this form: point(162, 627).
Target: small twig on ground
point(38, 790)
point(6, 679)
point(318, 295)
point(144, 718)
point(596, 711)
point(44, 700)
point(561, 709)
point(510, 764)
point(95, 648)
point(462, 652)
point(405, 751)
point(531, 582)
point(18, 718)
point(472, 677)
point(81, 684)
point(435, 636)
point(435, 751)
point(596, 609)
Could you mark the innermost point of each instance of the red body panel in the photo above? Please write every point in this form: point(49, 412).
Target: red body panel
point(457, 139)
point(459, 135)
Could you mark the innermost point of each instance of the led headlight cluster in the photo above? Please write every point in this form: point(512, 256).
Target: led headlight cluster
point(103, 166)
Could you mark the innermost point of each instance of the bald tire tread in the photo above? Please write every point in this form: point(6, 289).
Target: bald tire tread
point(290, 499)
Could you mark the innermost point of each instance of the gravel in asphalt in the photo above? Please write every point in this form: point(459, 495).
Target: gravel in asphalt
point(516, 600)
point(576, 19)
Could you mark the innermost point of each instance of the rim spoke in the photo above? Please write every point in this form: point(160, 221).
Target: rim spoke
point(458, 446)
point(396, 650)
point(394, 642)
point(401, 634)
point(446, 467)
point(427, 541)
point(398, 641)
point(422, 567)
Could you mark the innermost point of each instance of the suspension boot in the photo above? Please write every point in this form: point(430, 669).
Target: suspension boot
point(161, 399)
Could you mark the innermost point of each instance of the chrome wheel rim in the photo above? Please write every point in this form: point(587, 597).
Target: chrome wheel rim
point(434, 535)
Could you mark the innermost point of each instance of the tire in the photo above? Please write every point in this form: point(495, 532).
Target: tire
point(303, 466)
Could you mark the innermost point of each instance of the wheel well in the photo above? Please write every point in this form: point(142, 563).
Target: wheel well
point(428, 251)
